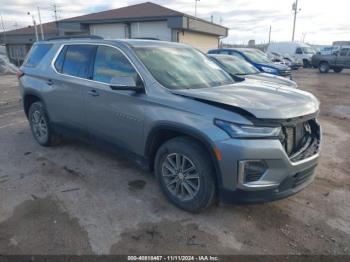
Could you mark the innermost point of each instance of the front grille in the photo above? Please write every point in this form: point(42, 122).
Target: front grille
point(301, 140)
point(285, 72)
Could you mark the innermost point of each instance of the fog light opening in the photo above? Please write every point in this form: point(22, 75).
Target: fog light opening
point(253, 170)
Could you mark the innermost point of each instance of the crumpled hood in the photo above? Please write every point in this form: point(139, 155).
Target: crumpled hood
point(271, 78)
point(263, 100)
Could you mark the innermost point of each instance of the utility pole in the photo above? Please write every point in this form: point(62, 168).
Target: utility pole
point(295, 9)
point(3, 28)
point(36, 29)
point(41, 25)
point(54, 6)
point(195, 7)
point(270, 35)
point(212, 18)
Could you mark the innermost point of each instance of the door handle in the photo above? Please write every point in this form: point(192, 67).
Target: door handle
point(49, 82)
point(93, 92)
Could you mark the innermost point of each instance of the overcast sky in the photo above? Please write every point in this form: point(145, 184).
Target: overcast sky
point(319, 21)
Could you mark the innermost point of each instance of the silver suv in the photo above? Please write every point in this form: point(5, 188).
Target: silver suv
point(205, 136)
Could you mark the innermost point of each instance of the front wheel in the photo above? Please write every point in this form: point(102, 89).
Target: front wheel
point(40, 125)
point(337, 69)
point(324, 67)
point(185, 174)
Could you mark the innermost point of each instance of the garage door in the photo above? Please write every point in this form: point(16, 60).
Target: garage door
point(108, 31)
point(201, 41)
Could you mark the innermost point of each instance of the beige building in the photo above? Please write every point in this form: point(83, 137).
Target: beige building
point(145, 20)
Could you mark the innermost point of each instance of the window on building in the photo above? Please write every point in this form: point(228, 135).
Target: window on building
point(36, 54)
point(109, 63)
point(78, 60)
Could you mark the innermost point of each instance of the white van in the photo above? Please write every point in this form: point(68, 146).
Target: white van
point(294, 49)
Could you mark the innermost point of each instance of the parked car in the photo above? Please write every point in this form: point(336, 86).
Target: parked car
point(240, 70)
point(336, 61)
point(170, 106)
point(287, 60)
point(294, 49)
point(257, 58)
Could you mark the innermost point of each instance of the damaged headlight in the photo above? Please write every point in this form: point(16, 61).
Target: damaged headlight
point(235, 130)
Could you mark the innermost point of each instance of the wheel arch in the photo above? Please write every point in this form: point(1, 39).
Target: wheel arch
point(163, 132)
point(29, 98)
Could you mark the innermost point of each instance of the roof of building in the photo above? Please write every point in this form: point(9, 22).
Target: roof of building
point(142, 10)
point(49, 28)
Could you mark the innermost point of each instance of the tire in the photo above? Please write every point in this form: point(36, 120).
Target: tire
point(337, 69)
point(201, 183)
point(306, 63)
point(323, 67)
point(41, 126)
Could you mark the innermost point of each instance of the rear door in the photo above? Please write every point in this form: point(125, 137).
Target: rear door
point(343, 58)
point(73, 69)
point(114, 115)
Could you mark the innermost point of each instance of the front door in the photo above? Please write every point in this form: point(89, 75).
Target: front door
point(115, 116)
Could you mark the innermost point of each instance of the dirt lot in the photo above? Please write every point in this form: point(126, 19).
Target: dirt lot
point(78, 199)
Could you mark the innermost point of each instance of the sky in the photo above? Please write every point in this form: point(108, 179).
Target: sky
point(318, 21)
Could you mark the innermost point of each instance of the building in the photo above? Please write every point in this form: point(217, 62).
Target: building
point(145, 20)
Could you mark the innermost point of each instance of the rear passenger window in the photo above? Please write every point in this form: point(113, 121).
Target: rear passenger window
point(109, 63)
point(37, 54)
point(78, 60)
point(60, 59)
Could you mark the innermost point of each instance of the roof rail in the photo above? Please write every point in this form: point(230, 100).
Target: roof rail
point(146, 38)
point(74, 37)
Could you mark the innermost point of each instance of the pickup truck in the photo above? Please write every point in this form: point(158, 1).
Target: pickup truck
point(337, 61)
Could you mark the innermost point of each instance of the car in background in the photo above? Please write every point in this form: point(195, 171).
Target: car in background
point(328, 50)
point(336, 61)
point(294, 49)
point(257, 58)
point(287, 60)
point(240, 70)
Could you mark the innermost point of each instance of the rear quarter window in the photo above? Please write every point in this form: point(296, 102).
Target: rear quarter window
point(36, 54)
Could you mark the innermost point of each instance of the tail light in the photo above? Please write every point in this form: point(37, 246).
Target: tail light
point(19, 74)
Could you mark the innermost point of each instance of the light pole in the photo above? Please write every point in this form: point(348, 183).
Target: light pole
point(295, 9)
point(36, 30)
point(195, 7)
point(3, 28)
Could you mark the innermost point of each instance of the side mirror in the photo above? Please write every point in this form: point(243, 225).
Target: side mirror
point(124, 83)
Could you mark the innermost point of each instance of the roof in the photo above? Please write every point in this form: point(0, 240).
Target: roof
point(49, 28)
point(142, 10)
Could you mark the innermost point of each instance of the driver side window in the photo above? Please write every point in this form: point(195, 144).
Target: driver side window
point(109, 63)
point(299, 51)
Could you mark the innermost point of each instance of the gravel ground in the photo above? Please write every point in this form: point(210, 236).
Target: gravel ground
point(79, 199)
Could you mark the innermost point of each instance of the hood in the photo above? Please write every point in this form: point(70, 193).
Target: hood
point(275, 66)
point(271, 79)
point(263, 100)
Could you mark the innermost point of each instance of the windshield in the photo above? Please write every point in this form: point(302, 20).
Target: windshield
point(237, 66)
point(308, 50)
point(257, 56)
point(182, 68)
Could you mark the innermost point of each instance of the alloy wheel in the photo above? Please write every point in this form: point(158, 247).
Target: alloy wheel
point(180, 176)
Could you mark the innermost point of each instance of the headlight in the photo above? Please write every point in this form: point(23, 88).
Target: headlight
point(235, 130)
point(269, 70)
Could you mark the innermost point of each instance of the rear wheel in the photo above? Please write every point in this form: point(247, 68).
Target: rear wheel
point(185, 174)
point(323, 67)
point(40, 125)
point(337, 69)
